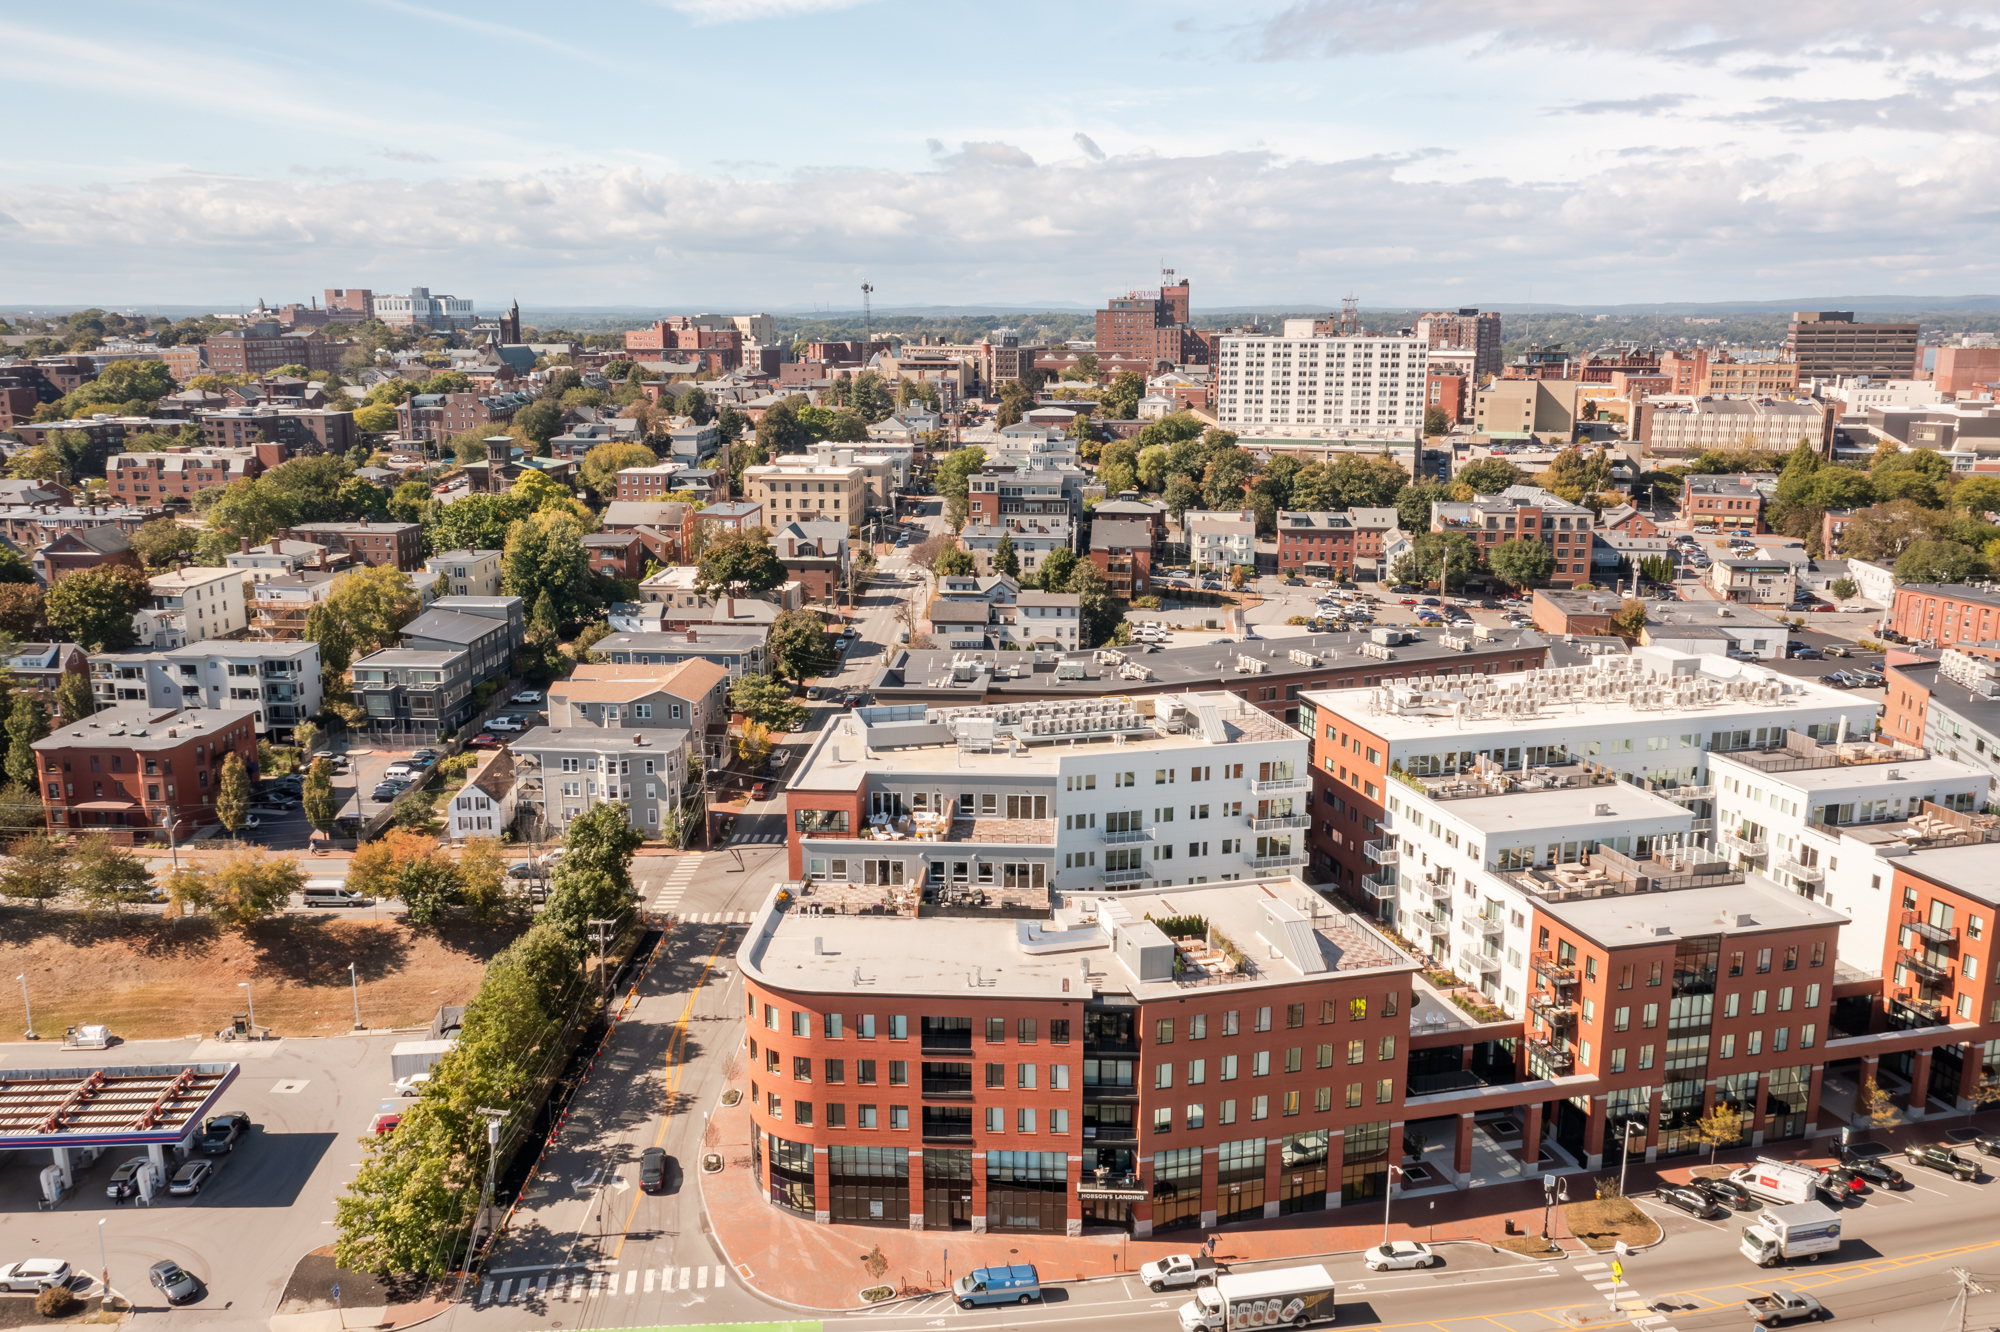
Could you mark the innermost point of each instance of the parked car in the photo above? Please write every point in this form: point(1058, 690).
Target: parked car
point(1841, 1179)
point(1865, 1151)
point(1397, 1255)
point(1838, 679)
point(531, 696)
point(484, 741)
point(1803, 653)
point(34, 1274)
point(1874, 1169)
point(523, 869)
point(220, 1133)
point(384, 792)
point(189, 1179)
point(172, 1281)
point(1726, 1191)
point(413, 1085)
point(1695, 1202)
point(1986, 1144)
point(1940, 1157)
point(761, 789)
point(503, 723)
point(653, 1169)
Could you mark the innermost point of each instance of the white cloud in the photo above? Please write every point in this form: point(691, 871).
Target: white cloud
point(1089, 146)
point(749, 11)
point(988, 223)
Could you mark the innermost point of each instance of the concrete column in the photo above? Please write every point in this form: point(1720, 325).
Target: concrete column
point(1211, 1169)
point(1461, 1156)
point(1593, 1132)
point(1758, 1115)
point(1075, 1212)
point(1920, 1083)
point(822, 1188)
point(979, 1194)
point(1653, 1125)
point(1336, 1152)
point(157, 1153)
point(1274, 1159)
point(1812, 1098)
point(63, 1164)
point(1970, 1072)
point(1530, 1150)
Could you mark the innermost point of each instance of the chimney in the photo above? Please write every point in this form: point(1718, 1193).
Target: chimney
point(243, 545)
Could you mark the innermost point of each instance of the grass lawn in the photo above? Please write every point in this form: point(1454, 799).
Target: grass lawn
point(1602, 1222)
point(1532, 1246)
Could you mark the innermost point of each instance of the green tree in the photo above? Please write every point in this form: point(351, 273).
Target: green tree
point(477, 522)
point(544, 557)
point(954, 473)
point(1004, 559)
point(798, 646)
point(1437, 422)
point(541, 421)
point(767, 700)
point(1413, 505)
point(1630, 617)
point(1151, 466)
point(1940, 562)
point(1058, 566)
point(376, 418)
point(594, 877)
point(1844, 589)
point(251, 885)
point(1490, 476)
point(163, 541)
point(250, 510)
point(1223, 481)
point(847, 427)
point(410, 502)
point(37, 868)
point(74, 699)
point(872, 398)
point(739, 561)
point(1094, 604)
point(27, 722)
point(1120, 401)
point(107, 876)
point(322, 806)
point(482, 883)
point(603, 463)
point(1181, 495)
point(232, 793)
point(1454, 551)
point(94, 607)
point(1520, 562)
point(364, 613)
point(779, 429)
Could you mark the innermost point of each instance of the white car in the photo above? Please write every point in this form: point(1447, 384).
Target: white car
point(504, 724)
point(1322, 582)
point(1399, 1254)
point(527, 696)
point(412, 1085)
point(34, 1274)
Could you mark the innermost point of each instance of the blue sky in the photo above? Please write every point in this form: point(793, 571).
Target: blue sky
point(775, 153)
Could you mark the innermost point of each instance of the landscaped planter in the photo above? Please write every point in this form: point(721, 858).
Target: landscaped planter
point(711, 1162)
point(876, 1294)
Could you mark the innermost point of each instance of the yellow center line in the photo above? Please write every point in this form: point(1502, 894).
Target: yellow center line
point(674, 1047)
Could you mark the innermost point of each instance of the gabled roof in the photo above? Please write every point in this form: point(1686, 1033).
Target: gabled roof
point(106, 540)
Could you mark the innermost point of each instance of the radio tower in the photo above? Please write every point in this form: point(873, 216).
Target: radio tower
point(1350, 316)
point(867, 316)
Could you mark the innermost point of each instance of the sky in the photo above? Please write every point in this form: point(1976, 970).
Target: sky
point(732, 155)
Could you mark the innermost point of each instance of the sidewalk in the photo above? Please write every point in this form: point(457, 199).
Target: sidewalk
point(790, 1259)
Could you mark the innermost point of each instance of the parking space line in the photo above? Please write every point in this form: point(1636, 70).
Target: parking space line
point(541, 1287)
point(719, 1270)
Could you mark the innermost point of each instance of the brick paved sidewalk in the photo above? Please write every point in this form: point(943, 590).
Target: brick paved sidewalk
point(811, 1266)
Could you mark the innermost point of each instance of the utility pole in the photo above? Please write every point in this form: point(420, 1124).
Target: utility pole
point(494, 1119)
point(603, 980)
point(1967, 1288)
point(867, 318)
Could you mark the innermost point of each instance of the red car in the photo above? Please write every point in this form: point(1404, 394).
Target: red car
point(1407, 601)
point(761, 791)
point(484, 741)
point(1822, 607)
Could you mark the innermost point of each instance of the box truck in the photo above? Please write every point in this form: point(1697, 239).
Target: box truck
point(1799, 1230)
point(1782, 1182)
point(1286, 1297)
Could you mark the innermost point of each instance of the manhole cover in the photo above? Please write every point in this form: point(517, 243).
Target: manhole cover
point(290, 1085)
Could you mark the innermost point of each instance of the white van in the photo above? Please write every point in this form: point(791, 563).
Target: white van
point(331, 893)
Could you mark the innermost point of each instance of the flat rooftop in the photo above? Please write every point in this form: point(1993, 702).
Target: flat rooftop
point(1921, 775)
point(1965, 869)
point(1752, 906)
point(1277, 931)
point(1613, 804)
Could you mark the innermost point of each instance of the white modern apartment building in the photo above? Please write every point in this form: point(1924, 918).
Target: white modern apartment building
point(1829, 820)
point(209, 603)
point(280, 681)
point(1376, 381)
point(1113, 793)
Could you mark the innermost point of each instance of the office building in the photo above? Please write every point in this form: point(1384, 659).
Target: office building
point(1828, 343)
point(1321, 382)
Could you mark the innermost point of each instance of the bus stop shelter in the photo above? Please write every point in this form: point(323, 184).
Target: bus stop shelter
point(67, 1110)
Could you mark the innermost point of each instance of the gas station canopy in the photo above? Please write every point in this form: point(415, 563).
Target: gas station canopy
point(107, 1107)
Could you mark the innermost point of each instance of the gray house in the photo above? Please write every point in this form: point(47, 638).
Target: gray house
point(422, 690)
point(561, 772)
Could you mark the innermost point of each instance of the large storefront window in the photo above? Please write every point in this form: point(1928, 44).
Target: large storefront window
point(1364, 1162)
point(1785, 1097)
point(1110, 1187)
point(1302, 1173)
point(1738, 1090)
point(1176, 1188)
point(1027, 1191)
point(868, 1185)
point(1680, 1113)
point(1239, 1181)
point(791, 1174)
point(947, 1189)
point(1624, 1116)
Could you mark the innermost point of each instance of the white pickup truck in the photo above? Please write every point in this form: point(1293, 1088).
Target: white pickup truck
point(1180, 1269)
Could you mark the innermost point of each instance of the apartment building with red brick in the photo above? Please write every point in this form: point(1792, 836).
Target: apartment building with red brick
point(397, 544)
point(258, 349)
point(136, 772)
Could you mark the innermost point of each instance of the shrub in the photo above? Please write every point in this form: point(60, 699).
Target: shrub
point(56, 1302)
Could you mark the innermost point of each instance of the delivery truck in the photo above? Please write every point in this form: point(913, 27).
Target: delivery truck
point(1799, 1230)
point(1286, 1297)
point(1781, 1182)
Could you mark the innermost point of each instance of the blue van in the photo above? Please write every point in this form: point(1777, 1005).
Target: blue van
point(997, 1285)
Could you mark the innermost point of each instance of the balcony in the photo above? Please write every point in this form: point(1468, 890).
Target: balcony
point(1741, 845)
point(1124, 835)
point(1127, 875)
point(1552, 1008)
point(1925, 930)
point(1381, 853)
point(1491, 928)
point(1702, 826)
point(1383, 886)
point(1685, 793)
point(1553, 971)
point(1438, 924)
point(1283, 860)
point(1281, 784)
point(1479, 962)
point(1553, 1055)
point(1439, 889)
point(1278, 824)
point(1924, 966)
point(1804, 873)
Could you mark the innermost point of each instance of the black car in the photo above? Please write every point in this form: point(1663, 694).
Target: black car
point(1864, 1151)
point(1695, 1202)
point(220, 1133)
point(1874, 1170)
point(1941, 1157)
point(1727, 1192)
point(1987, 1144)
point(653, 1170)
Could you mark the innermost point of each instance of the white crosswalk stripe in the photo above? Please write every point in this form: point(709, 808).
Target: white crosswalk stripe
point(631, 1281)
point(485, 1291)
point(756, 839)
point(676, 886)
point(507, 1290)
point(719, 1270)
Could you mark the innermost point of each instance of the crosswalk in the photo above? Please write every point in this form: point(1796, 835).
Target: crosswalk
point(676, 886)
point(754, 839)
point(1620, 1292)
point(719, 917)
point(579, 1284)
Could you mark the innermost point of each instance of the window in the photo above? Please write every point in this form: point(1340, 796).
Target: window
point(1353, 1095)
point(899, 1028)
point(1651, 1017)
point(1385, 1091)
point(1755, 1044)
point(1058, 1121)
point(830, 1026)
point(1025, 1031)
point(1763, 961)
point(1386, 1048)
point(836, 1070)
point(801, 1024)
point(1024, 1076)
point(996, 1119)
point(1198, 1027)
point(1194, 1117)
point(802, 1069)
point(1227, 1113)
point(1792, 958)
point(1736, 964)
point(996, 1031)
point(1294, 1059)
point(1228, 1071)
point(1163, 1032)
point(1260, 1064)
point(864, 1072)
point(1024, 1120)
point(899, 1073)
point(1163, 1075)
point(1728, 1047)
point(899, 1116)
point(996, 1075)
point(1059, 1077)
point(1325, 1056)
point(1263, 1020)
point(1621, 1019)
point(1295, 1015)
point(1260, 1107)
point(1163, 1119)
point(1229, 1023)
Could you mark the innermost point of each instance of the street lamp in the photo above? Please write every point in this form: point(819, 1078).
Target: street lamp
point(1625, 1140)
point(23, 978)
point(1388, 1196)
point(354, 978)
point(252, 997)
point(104, 1267)
point(1554, 1190)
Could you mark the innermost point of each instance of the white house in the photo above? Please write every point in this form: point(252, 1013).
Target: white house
point(484, 806)
point(1222, 539)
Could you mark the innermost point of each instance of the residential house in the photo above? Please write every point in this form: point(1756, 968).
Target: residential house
point(1529, 513)
point(39, 668)
point(662, 526)
point(484, 806)
point(1031, 538)
point(616, 554)
point(467, 573)
point(282, 559)
point(815, 556)
point(1123, 553)
point(279, 605)
point(1218, 541)
point(84, 548)
point(563, 772)
point(210, 603)
point(738, 651)
point(136, 771)
point(1729, 503)
point(398, 544)
point(1760, 581)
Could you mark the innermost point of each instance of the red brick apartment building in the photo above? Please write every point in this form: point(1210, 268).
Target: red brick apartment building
point(136, 772)
point(180, 473)
point(262, 348)
point(1123, 553)
point(720, 348)
point(1948, 614)
point(1733, 503)
point(1450, 394)
point(1152, 325)
point(1332, 544)
point(398, 544)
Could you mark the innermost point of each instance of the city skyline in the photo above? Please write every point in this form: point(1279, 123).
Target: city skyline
point(1433, 152)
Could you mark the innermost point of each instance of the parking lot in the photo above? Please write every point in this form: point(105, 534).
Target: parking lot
point(270, 1202)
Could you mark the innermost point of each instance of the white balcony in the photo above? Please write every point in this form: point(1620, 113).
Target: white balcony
point(1128, 835)
point(1491, 928)
point(1381, 853)
point(1278, 824)
point(1802, 872)
point(1299, 783)
point(1478, 962)
point(1127, 875)
point(1282, 861)
point(1740, 845)
point(1383, 886)
point(1685, 793)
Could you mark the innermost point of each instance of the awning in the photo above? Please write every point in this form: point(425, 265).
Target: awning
point(107, 804)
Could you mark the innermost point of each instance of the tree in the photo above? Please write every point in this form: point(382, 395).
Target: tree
point(957, 509)
point(1437, 421)
point(321, 805)
point(107, 876)
point(754, 743)
point(74, 699)
point(253, 511)
point(1844, 588)
point(1120, 400)
point(926, 553)
point(847, 427)
point(37, 869)
point(603, 463)
point(1223, 481)
point(954, 474)
point(798, 645)
point(541, 421)
point(1058, 569)
point(594, 878)
point(232, 793)
point(1004, 559)
point(1413, 505)
point(739, 561)
point(1881, 532)
point(1720, 1127)
point(94, 607)
point(37, 464)
point(1520, 562)
point(1180, 496)
point(410, 502)
point(163, 541)
point(364, 613)
point(22, 611)
point(1630, 617)
point(26, 723)
point(766, 700)
point(1871, 1102)
point(477, 522)
point(545, 558)
point(956, 563)
point(779, 429)
point(1454, 551)
point(1094, 604)
point(1574, 475)
point(482, 883)
point(1490, 476)
point(1940, 562)
point(251, 885)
